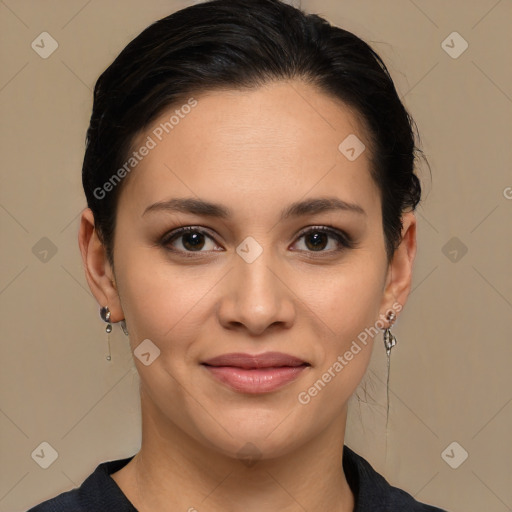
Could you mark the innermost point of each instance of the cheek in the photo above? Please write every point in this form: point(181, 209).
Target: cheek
point(348, 307)
point(349, 300)
point(347, 310)
point(161, 301)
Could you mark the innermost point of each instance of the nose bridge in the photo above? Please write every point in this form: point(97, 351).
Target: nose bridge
point(256, 297)
point(255, 277)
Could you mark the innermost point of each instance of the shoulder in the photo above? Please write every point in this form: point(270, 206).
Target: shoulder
point(98, 492)
point(66, 501)
point(373, 493)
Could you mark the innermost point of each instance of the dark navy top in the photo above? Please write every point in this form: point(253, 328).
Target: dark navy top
point(100, 493)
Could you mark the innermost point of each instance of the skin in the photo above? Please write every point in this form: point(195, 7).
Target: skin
point(255, 152)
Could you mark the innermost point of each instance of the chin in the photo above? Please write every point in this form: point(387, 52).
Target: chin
point(251, 439)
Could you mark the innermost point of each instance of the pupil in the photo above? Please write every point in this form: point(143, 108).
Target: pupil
point(319, 240)
point(196, 242)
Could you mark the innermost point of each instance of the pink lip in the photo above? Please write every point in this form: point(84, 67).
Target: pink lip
point(261, 373)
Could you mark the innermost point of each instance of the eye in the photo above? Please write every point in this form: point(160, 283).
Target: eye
point(316, 239)
point(189, 239)
point(192, 240)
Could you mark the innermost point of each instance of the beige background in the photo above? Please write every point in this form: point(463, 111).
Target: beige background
point(450, 378)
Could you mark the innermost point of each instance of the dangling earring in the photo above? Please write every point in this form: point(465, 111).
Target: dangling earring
point(389, 339)
point(105, 316)
point(389, 343)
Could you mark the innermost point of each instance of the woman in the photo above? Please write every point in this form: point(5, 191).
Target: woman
point(249, 177)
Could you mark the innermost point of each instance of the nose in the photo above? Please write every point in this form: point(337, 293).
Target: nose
point(257, 296)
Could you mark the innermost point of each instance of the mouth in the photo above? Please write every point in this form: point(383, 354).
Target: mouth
point(254, 374)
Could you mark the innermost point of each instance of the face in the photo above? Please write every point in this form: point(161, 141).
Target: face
point(267, 276)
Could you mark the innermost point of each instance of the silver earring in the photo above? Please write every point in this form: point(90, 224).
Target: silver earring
point(123, 326)
point(389, 339)
point(389, 343)
point(105, 316)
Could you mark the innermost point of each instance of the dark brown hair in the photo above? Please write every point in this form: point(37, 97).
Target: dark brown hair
point(245, 44)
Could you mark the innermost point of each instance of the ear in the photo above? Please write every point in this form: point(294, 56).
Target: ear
point(399, 277)
point(98, 271)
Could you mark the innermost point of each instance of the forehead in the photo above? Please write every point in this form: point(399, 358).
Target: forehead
point(280, 139)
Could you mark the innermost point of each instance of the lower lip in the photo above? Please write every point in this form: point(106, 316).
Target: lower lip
point(258, 380)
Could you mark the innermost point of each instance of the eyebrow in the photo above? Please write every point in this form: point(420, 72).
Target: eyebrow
point(296, 209)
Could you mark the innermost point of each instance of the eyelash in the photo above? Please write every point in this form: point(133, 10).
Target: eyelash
point(343, 239)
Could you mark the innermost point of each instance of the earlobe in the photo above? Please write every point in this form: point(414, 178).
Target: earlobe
point(399, 280)
point(98, 271)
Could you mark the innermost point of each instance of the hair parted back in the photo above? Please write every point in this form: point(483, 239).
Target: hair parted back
point(237, 44)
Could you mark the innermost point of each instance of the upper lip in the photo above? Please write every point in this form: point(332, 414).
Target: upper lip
point(247, 361)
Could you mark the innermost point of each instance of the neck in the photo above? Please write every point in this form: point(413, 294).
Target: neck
point(173, 471)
